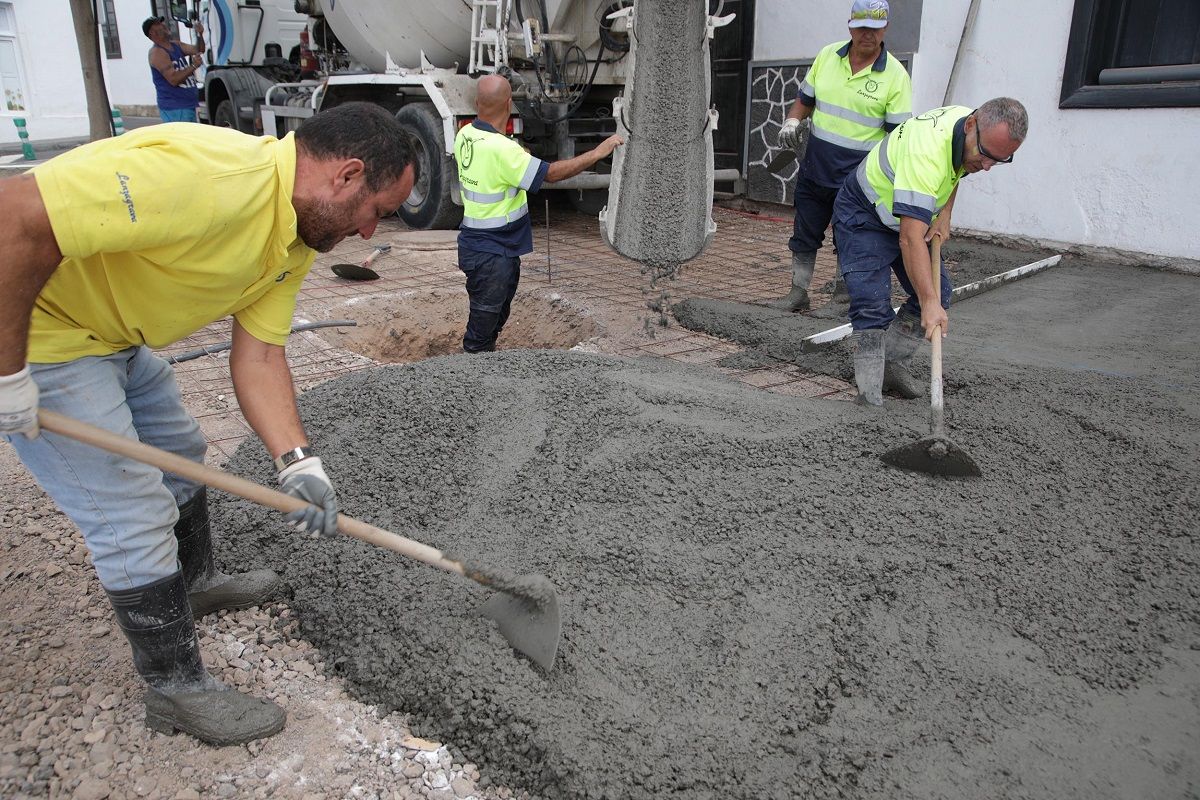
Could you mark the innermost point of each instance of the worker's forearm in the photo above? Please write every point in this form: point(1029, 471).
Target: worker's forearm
point(561, 170)
point(28, 259)
point(262, 382)
point(179, 76)
point(917, 263)
point(800, 111)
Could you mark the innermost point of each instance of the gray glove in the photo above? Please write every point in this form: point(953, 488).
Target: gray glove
point(789, 134)
point(18, 404)
point(307, 480)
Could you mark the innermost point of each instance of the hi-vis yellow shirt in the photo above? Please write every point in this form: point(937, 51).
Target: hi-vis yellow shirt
point(164, 230)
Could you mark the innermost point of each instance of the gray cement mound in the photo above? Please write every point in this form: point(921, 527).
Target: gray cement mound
point(753, 606)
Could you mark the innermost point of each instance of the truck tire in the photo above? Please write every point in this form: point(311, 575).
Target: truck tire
point(226, 115)
point(431, 204)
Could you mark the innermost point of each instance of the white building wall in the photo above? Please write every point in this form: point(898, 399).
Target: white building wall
point(55, 106)
point(128, 78)
point(1120, 178)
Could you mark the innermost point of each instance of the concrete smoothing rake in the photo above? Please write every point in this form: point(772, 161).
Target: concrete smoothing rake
point(525, 608)
point(935, 453)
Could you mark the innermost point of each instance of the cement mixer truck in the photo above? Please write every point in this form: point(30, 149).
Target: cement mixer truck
point(566, 59)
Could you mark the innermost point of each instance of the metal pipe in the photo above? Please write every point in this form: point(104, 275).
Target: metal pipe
point(1117, 76)
point(819, 340)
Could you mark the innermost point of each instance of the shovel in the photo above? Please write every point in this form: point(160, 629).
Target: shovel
point(782, 160)
point(363, 271)
point(526, 610)
point(935, 453)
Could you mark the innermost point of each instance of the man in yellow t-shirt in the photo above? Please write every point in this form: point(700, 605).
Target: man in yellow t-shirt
point(136, 242)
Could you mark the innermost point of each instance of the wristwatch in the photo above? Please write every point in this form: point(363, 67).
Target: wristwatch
point(291, 457)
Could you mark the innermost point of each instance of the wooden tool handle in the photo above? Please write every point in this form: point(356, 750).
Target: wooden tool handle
point(936, 400)
point(217, 479)
point(382, 248)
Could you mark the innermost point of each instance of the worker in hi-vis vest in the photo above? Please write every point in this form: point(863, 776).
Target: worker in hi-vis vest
point(495, 172)
point(855, 92)
point(885, 215)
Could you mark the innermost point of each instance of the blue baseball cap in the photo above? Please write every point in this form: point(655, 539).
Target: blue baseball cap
point(869, 14)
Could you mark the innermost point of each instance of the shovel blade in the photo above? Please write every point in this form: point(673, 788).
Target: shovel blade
point(354, 272)
point(935, 455)
point(530, 624)
point(782, 160)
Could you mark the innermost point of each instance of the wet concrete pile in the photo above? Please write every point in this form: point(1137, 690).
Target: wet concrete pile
point(754, 607)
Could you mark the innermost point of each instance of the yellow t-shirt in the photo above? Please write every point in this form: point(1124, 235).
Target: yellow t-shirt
point(164, 230)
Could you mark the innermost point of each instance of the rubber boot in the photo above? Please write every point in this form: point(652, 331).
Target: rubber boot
point(868, 366)
point(903, 337)
point(209, 589)
point(803, 265)
point(158, 623)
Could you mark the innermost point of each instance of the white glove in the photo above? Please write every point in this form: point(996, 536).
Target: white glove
point(789, 134)
point(18, 404)
point(307, 480)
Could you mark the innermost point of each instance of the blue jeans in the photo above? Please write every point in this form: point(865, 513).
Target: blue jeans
point(491, 285)
point(868, 255)
point(126, 510)
point(177, 114)
point(814, 209)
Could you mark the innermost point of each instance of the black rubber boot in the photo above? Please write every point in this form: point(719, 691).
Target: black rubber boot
point(868, 366)
point(157, 621)
point(209, 589)
point(803, 265)
point(902, 339)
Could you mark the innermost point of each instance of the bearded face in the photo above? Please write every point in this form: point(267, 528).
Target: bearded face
point(321, 224)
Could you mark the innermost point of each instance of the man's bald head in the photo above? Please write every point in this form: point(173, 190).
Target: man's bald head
point(492, 96)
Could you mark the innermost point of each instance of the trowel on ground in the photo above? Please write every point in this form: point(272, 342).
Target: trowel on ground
point(363, 271)
point(935, 454)
point(526, 610)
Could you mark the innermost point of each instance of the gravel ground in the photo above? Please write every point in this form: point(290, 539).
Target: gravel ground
point(70, 702)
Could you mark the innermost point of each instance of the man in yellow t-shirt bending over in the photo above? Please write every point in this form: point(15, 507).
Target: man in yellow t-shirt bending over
point(136, 242)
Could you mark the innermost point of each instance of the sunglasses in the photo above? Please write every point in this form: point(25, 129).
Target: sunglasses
point(983, 151)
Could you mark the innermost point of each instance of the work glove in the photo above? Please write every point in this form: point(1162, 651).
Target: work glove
point(307, 480)
point(18, 404)
point(789, 134)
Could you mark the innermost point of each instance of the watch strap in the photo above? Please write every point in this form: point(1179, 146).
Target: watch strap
point(290, 457)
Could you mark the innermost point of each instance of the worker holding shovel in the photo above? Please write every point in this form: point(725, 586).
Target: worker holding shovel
point(855, 92)
point(888, 211)
point(137, 242)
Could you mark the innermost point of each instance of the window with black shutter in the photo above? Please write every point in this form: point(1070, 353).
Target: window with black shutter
point(1133, 54)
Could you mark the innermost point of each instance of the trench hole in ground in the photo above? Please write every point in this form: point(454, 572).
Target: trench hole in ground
point(411, 326)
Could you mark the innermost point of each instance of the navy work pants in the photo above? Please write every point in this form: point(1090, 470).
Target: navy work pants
point(491, 285)
point(814, 208)
point(869, 254)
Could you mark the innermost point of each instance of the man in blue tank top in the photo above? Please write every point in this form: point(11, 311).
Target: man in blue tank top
point(173, 67)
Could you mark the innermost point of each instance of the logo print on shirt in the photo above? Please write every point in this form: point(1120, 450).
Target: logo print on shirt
point(282, 276)
point(872, 86)
point(466, 152)
point(126, 197)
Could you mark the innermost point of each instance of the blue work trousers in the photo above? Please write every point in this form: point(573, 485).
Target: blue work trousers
point(869, 254)
point(126, 510)
point(491, 285)
point(814, 209)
